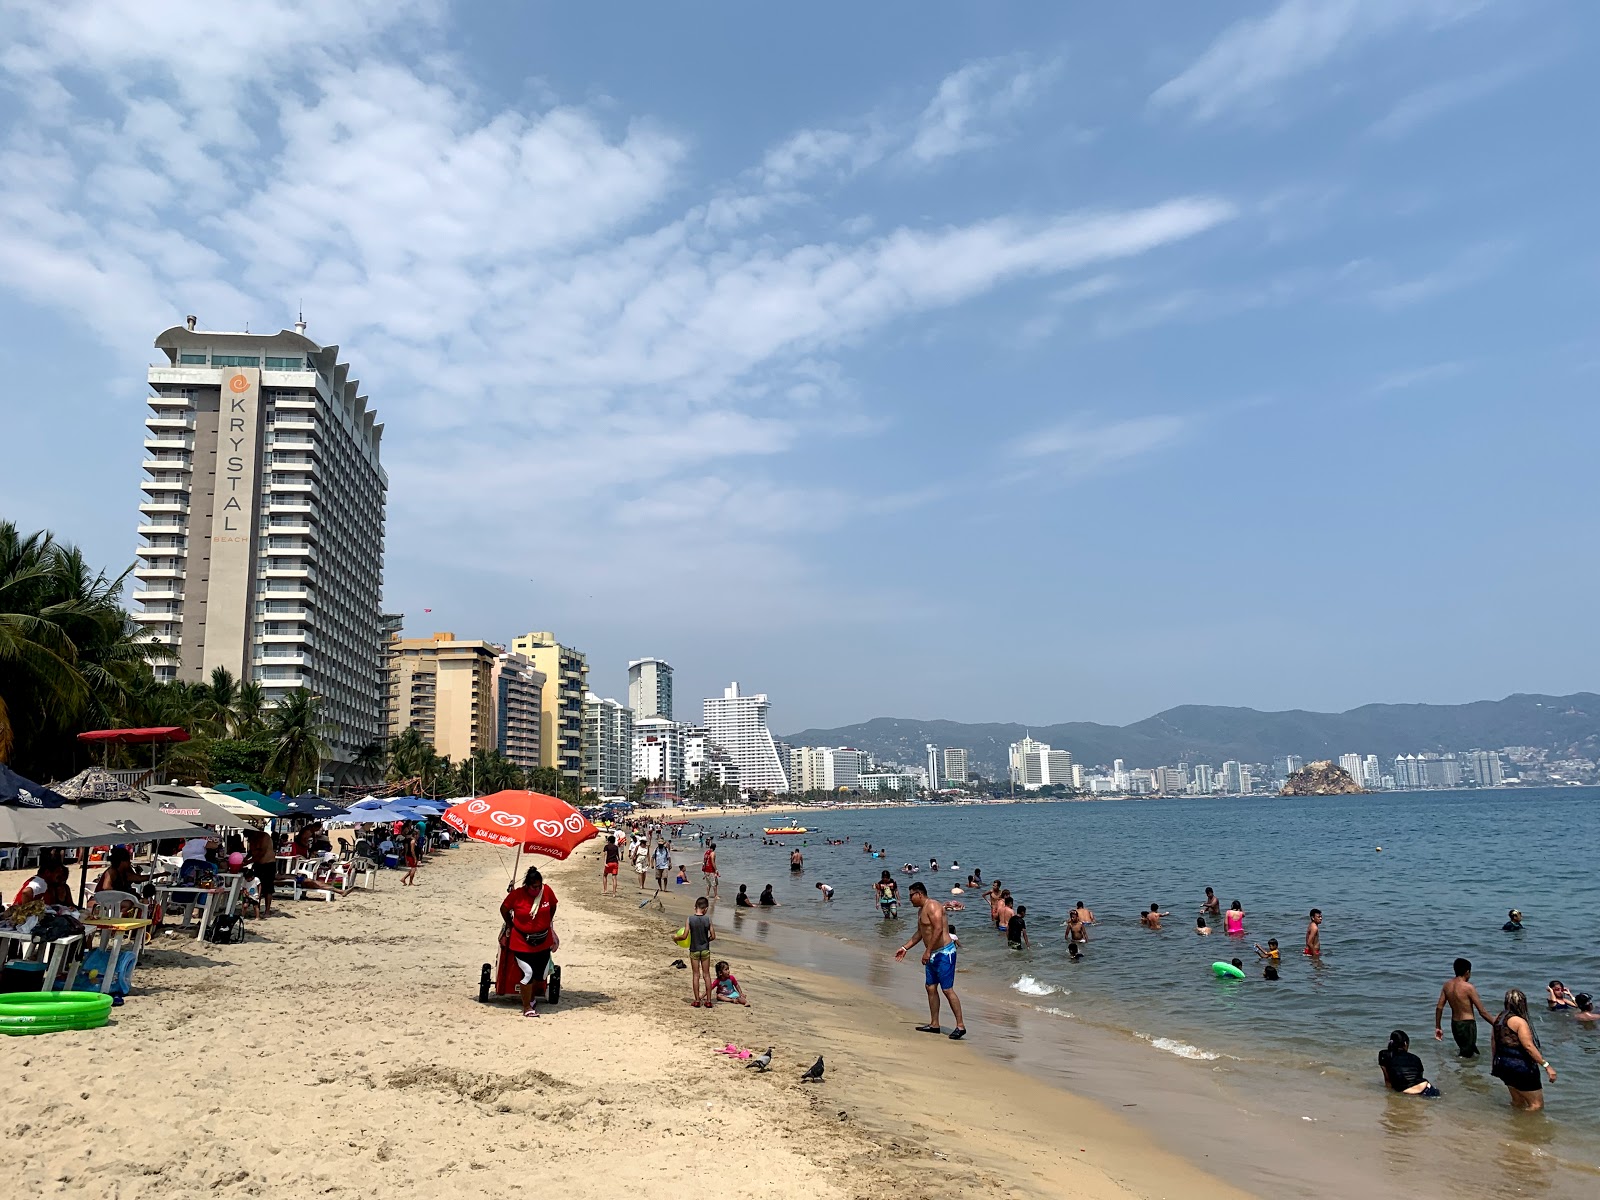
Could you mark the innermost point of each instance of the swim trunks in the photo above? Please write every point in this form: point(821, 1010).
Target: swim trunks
point(940, 969)
point(1466, 1036)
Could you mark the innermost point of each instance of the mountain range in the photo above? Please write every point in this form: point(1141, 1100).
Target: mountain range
point(1563, 726)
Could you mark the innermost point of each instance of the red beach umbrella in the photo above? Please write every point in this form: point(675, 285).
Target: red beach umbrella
point(532, 821)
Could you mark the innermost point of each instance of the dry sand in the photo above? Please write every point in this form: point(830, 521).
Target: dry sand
point(340, 1052)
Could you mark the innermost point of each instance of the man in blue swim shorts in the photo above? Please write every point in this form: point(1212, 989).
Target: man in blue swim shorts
point(938, 960)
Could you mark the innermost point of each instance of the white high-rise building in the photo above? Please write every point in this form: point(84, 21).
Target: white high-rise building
point(262, 523)
point(1353, 764)
point(650, 688)
point(1018, 759)
point(1371, 773)
point(934, 766)
point(607, 746)
point(955, 765)
point(826, 768)
point(659, 748)
point(738, 723)
point(1205, 779)
point(1232, 777)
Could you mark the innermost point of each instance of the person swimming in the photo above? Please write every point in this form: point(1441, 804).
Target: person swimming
point(1514, 921)
point(1201, 928)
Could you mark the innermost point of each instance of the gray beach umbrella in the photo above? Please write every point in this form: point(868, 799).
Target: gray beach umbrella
point(63, 828)
point(136, 821)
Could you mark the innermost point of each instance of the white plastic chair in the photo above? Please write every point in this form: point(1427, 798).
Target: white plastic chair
point(109, 904)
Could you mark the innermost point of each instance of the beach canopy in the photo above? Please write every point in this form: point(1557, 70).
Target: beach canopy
point(14, 789)
point(240, 808)
point(136, 737)
point(137, 821)
point(188, 804)
point(94, 785)
point(266, 803)
point(309, 805)
point(539, 824)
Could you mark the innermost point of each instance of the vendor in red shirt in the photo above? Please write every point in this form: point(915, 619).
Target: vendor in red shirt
point(530, 912)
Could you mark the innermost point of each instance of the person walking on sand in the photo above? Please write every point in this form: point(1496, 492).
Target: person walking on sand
point(1313, 946)
point(529, 913)
point(662, 861)
point(708, 869)
point(1517, 1057)
point(413, 853)
point(701, 935)
point(641, 859)
point(1463, 1000)
point(610, 875)
point(938, 960)
point(263, 862)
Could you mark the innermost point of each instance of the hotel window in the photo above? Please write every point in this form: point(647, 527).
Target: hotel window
point(192, 360)
point(235, 360)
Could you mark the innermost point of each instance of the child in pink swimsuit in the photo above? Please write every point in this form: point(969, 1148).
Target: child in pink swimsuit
point(1234, 918)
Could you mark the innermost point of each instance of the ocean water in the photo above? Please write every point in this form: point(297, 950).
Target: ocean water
point(1450, 866)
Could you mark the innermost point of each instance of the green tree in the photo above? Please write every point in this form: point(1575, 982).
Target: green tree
point(298, 734)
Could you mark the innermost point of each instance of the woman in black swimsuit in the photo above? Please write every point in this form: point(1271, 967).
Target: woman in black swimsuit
point(1402, 1070)
point(1517, 1057)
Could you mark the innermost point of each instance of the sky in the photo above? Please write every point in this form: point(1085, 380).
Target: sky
point(989, 362)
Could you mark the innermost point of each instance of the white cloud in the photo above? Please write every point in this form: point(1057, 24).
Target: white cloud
point(1463, 269)
point(1437, 100)
point(1078, 447)
point(1253, 58)
point(970, 102)
point(568, 342)
point(1397, 381)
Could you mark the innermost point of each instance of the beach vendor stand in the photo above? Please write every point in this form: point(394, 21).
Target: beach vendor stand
point(535, 824)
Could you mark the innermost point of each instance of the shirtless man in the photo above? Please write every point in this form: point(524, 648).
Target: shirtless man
point(1152, 919)
point(1463, 1000)
point(1003, 912)
point(1313, 947)
point(938, 960)
point(1085, 917)
point(1076, 930)
point(1212, 906)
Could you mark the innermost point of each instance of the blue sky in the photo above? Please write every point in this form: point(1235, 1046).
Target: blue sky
point(984, 362)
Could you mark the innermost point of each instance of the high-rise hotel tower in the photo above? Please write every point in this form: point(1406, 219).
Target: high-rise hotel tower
point(262, 522)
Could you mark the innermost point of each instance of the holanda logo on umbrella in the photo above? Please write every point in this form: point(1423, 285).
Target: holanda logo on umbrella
point(478, 806)
point(511, 820)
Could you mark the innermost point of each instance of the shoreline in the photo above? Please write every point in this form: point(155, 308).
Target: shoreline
point(909, 1098)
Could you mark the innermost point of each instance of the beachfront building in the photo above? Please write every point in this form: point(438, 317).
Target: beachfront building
point(464, 695)
point(1205, 779)
point(703, 759)
point(826, 768)
point(1487, 768)
point(1233, 777)
point(1035, 765)
point(659, 747)
point(607, 746)
point(904, 782)
point(1371, 773)
point(933, 766)
point(1171, 781)
point(561, 705)
point(516, 688)
point(262, 523)
point(1351, 763)
point(955, 765)
point(650, 688)
point(738, 723)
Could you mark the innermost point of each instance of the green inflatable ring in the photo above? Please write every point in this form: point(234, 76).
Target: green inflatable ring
point(28, 1003)
point(1224, 970)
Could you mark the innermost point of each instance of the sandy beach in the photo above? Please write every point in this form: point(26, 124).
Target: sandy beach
point(340, 1052)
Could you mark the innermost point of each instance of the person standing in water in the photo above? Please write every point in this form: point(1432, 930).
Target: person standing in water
point(1077, 931)
point(1212, 907)
point(1517, 1056)
point(1233, 920)
point(1463, 1000)
point(797, 861)
point(1313, 946)
point(938, 960)
point(1152, 919)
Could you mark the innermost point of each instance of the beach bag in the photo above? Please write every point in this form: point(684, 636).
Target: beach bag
point(226, 929)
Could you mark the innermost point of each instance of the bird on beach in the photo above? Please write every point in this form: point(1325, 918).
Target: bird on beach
point(814, 1075)
point(761, 1061)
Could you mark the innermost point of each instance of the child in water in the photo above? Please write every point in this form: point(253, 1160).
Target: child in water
point(726, 988)
point(1271, 953)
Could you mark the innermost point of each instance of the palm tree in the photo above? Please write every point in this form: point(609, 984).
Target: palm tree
point(249, 710)
point(70, 656)
point(298, 732)
point(370, 760)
